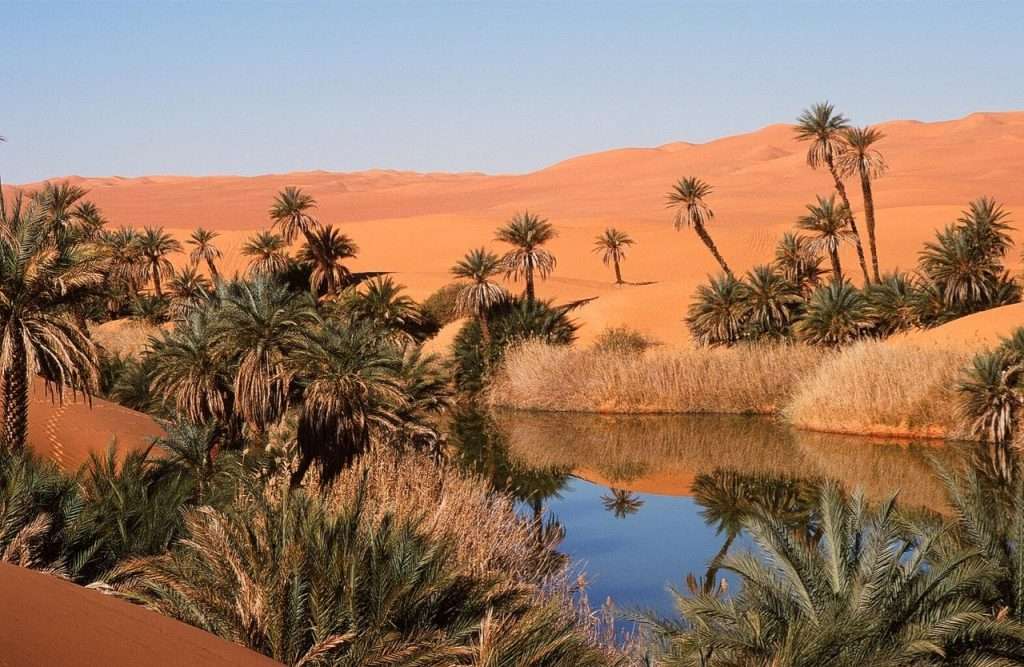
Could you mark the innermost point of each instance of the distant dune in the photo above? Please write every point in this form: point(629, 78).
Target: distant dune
point(417, 225)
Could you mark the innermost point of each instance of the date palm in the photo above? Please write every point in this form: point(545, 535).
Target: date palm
point(798, 261)
point(826, 130)
point(612, 245)
point(154, 244)
point(621, 502)
point(382, 303)
point(292, 215)
point(687, 197)
point(858, 157)
point(717, 315)
point(772, 303)
point(203, 250)
point(89, 220)
point(827, 223)
point(257, 325)
point(189, 290)
point(324, 251)
point(58, 201)
point(39, 333)
point(480, 293)
point(268, 252)
point(527, 233)
point(837, 314)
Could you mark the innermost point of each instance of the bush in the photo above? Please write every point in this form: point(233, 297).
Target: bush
point(622, 340)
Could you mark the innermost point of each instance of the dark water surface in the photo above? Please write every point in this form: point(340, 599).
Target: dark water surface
point(640, 502)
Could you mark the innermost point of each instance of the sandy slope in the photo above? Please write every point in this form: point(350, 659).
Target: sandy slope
point(45, 622)
point(419, 224)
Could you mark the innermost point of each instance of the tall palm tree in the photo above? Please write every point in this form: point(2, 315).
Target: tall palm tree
point(612, 245)
point(291, 213)
point(268, 252)
point(825, 129)
point(324, 251)
point(859, 157)
point(203, 250)
point(351, 390)
point(258, 324)
point(827, 222)
point(155, 245)
point(481, 293)
point(39, 333)
point(687, 198)
point(527, 233)
point(58, 201)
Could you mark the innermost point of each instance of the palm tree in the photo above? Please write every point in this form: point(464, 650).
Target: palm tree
point(291, 214)
point(894, 302)
point(39, 333)
point(89, 220)
point(717, 315)
point(203, 250)
point(189, 290)
point(863, 593)
point(857, 156)
point(828, 224)
point(269, 253)
point(477, 297)
point(383, 303)
point(324, 251)
point(612, 245)
point(258, 325)
point(58, 202)
point(527, 233)
point(155, 245)
point(798, 261)
point(621, 502)
point(837, 314)
point(687, 198)
point(772, 303)
point(825, 129)
point(351, 390)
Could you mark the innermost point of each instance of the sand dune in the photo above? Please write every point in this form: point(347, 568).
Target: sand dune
point(418, 224)
point(47, 622)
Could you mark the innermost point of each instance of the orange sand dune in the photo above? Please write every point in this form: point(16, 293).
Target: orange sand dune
point(45, 622)
point(979, 330)
point(418, 224)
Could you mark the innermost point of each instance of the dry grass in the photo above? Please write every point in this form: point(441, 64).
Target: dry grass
point(747, 379)
point(126, 337)
point(882, 389)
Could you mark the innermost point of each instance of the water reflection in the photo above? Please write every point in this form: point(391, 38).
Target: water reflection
point(647, 501)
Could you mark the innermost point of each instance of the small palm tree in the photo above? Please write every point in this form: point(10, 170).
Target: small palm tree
point(826, 130)
point(894, 304)
point(527, 233)
point(827, 223)
point(155, 245)
point(269, 253)
point(837, 314)
point(382, 303)
point(687, 198)
point(203, 250)
point(89, 220)
point(291, 214)
point(39, 333)
point(798, 261)
point(717, 315)
point(59, 201)
point(481, 293)
point(189, 290)
point(772, 303)
point(324, 251)
point(612, 245)
point(858, 157)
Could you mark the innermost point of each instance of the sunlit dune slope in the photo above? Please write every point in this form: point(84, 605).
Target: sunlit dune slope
point(46, 621)
point(417, 225)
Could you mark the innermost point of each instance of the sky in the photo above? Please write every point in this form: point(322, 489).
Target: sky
point(129, 89)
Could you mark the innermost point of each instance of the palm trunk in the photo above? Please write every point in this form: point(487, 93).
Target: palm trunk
point(841, 189)
point(530, 294)
point(837, 270)
point(15, 398)
point(156, 281)
point(869, 219)
point(214, 273)
point(618, 272)
point(712, 574)
point(706, 238)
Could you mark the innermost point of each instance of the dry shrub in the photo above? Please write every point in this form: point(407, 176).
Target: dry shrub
point(883, 389)
point(125, 338)
point(744, 379)
point(488, 535)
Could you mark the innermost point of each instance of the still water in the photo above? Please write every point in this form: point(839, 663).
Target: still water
point(640, 502)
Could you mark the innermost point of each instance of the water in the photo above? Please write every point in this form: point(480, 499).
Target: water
point(640, 502)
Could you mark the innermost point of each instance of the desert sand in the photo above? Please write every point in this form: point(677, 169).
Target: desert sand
point(47, 622)
point(417, 225)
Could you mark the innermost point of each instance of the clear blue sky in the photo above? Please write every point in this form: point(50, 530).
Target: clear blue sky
point(201, 88)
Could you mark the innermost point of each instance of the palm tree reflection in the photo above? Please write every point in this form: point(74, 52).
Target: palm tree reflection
point(621, 502)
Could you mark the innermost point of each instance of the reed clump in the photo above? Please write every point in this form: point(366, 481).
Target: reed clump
point(877, 388)
point(747, 379)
